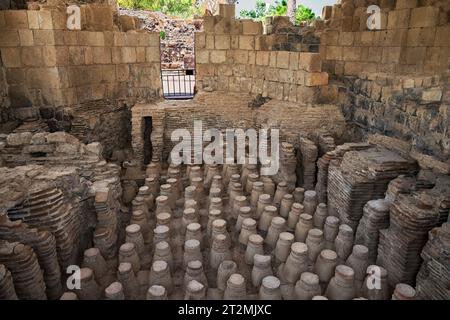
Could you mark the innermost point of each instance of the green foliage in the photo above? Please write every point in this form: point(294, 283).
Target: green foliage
point(162, 35)
point(279, 8)
point(259, 12)
point(179, 8)
point(304, 14)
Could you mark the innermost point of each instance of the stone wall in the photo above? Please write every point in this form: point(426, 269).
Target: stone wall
point(231, 110)
point(4, 100)
point(76, 80)
point(46, 64)
point(235, 56)
point(396, 78)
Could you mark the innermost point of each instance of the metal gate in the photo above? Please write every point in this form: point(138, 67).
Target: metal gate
point(178, 84)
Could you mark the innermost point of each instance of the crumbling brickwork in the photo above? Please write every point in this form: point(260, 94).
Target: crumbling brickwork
point(231, 110)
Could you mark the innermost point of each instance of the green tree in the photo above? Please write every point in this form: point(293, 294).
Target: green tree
point(304, 14)
point(259, 12)
point(278, 9)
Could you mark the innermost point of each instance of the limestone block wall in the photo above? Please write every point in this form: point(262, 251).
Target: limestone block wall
point(78, 81)
point(413, 38)
point(48, 65)
point(234, 55)
point(395, 78)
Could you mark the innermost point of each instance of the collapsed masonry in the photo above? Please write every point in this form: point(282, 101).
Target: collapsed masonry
point(363, 188)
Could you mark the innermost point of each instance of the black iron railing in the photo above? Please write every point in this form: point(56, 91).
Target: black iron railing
point(178, 84)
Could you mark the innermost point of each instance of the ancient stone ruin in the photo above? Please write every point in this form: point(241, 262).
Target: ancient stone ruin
point(94, 206)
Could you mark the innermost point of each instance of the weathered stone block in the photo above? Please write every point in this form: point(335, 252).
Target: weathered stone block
point(330, 38)
point(140, 54)
point(421, 37)
point(399, 19)
point(442, 36)
point(346, 38)
point(128, 55)
point(391, 55)
point(131, 39)
point(240, 56)
point(210, 41)
point(43, 78)
point(26, 37)
point(251, 57)
point(209, 23)
point(9, 38)
point(351, 53)
point(119, 39)
point(44, 37)
point(222, 42)
point(262, 58)
point(273, 59)
point(109, 73)
point(16, 19)
point(32, 56)
point(247, 42)
point(102, 55)
point(294, 58)
point(39, 138)
point(67, 148)
point(45, 19)
point(406, 4)
point(424, 17)
point(33, 19)
point(94, 149)
point(202, 56)
point(311, 62)
point(2, 20)
point(227, 26)
point(283, 59)
point(432, 95)
point(326, 12)
point(250, 27)
point(95, 39)
point(97, 18)
point(316, 79)
point(352, 68)
point(122, 72)
point(18, 139)
point(218, 56)
point(334, 53)
point(414, 55)
point(128, 22)
point(234, 42)
point(200, 40)
point(59, 19)
point(227, 10)
point(15, 76)
point(11, 57)
point(307, 94)
point(76, 55)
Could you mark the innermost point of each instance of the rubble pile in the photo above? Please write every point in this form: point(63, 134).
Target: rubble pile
point(177, 37)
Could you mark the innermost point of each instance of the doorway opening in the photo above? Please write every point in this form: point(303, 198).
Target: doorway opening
point(148, 148)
